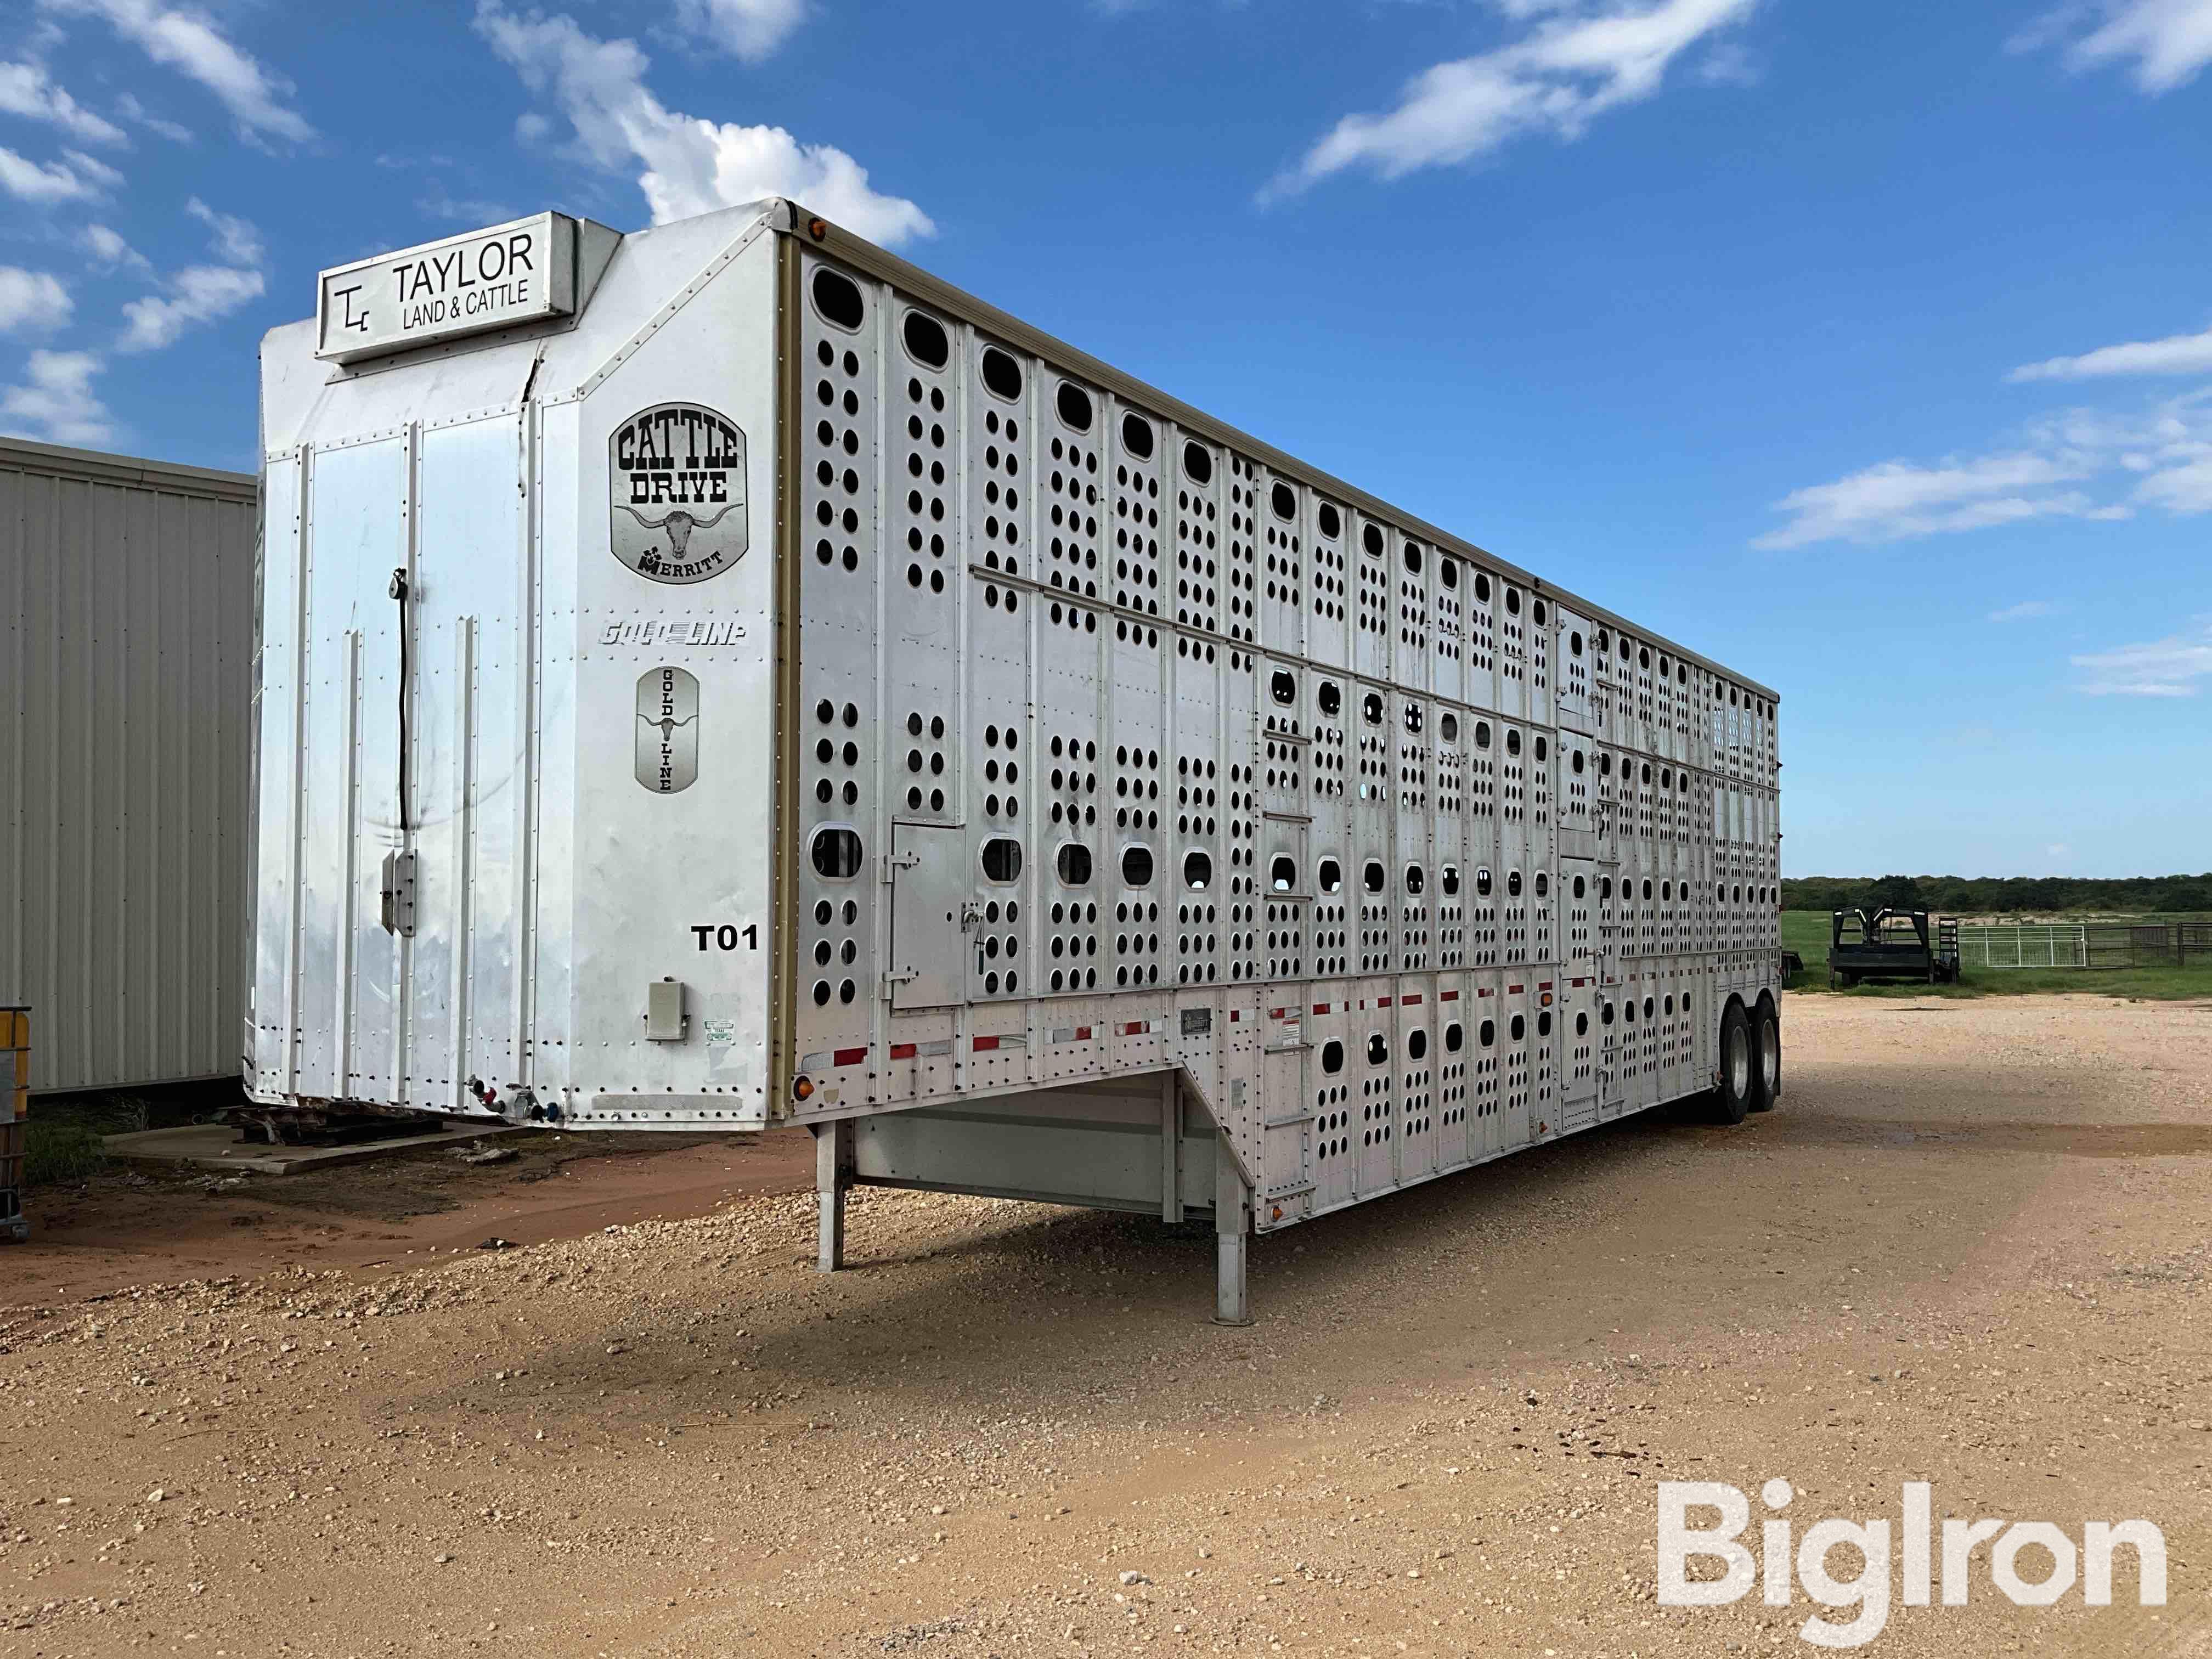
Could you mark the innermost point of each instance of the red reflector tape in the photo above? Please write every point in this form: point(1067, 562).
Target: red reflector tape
point(1083, 1034)
point(1484, 992)
point(850, 1056)
point(1382, 1002)
point(1412, 1001)
point(985, 1045)
point(901, 1051)
point(1136, 1028)
point(1546, 985)
point(1321, 1007)
point(1236, 1016)
point(1514, 990)
point(1449, 996)
point(1278, 1014)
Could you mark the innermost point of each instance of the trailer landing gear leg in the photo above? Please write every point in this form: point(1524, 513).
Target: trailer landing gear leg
point(1232, 1234)
point(833, 1175)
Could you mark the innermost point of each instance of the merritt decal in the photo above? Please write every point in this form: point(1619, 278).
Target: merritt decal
point(677, 472)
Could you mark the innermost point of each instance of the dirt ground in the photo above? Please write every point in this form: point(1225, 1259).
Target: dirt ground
point(1970, 1248)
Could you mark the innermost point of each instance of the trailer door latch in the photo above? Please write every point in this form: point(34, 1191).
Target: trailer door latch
point(396, 896)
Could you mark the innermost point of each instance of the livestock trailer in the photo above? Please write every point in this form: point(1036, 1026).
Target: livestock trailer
point(729, 677)
point(126, 659)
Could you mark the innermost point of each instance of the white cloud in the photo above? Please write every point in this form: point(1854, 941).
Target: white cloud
point(108, 249)
point(1728, 64)
point(2024, 611)
point(1576, 64)
point(191, 43)
point(134, 111)
point(692, 166)
point(2169, 40)
point(198, 293)
point(2183, 488)
point(1897, 500)
point(26, 90)
point(2178, 354)
point(750, 29)
point(31, 300)
point(75, 178)
point(2058, 849)
point(56, 400)
point(235, 241)
point(2078, 464)
point(2171, 667)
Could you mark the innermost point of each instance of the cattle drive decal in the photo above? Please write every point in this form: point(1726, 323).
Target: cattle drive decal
point(677, 472)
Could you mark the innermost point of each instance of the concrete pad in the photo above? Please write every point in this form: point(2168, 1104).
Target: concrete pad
point(217, 1146)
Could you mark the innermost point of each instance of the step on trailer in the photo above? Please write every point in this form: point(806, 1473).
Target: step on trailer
point(722, 676)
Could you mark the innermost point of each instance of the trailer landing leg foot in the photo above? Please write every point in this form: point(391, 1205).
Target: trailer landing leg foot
point(1232, 1234)
point(833, 1175)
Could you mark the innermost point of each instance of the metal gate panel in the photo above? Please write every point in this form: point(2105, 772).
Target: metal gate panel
point(279, 692)
point(1374, 1059)
point(346, 963)
point(928, 880)
point(468, 761)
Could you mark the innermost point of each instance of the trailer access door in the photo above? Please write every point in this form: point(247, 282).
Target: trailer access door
point(929, 898)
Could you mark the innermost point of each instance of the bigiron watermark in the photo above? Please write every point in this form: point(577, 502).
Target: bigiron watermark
point(1936, 1563)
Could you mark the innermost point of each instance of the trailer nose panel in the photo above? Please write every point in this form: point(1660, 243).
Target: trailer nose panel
point(405, 562)
point(516, 777)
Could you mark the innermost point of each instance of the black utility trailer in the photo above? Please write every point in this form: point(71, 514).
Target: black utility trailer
point(1886, 944)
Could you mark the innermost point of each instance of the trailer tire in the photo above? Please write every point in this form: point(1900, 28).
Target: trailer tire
point(1732, 1100)
point(1766, 1060)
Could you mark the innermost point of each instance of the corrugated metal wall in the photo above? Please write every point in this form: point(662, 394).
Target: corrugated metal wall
point(126, 662)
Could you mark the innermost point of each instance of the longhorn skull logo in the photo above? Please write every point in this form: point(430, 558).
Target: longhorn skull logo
point(678, 524)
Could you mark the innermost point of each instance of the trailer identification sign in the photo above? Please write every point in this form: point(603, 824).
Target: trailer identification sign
point(677, 472)
point(523, 272)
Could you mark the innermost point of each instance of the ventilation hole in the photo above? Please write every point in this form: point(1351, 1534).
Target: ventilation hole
point(926, 341)
point(1332, 697)
point(1197, 872)
point(1002, 859)
point(835, 853)
point(1284, 499)
point(1330, 520)
point(837, 297)
point(1137, 437)
point(1001, 373)
point(1284, 686)
point(1332, 1056)
point(1137, 866)
point(1074, 403)
point(1197, 464)
point(1328, 876)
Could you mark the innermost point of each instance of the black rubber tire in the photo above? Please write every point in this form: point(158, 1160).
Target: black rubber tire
point(1766, 1060)
point(1732, 1099)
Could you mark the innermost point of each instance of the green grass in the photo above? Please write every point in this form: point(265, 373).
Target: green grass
point(1805, 932)
point(55, 1154)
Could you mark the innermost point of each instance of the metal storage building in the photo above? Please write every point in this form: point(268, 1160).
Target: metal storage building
point(733, 676)
point(127, 656)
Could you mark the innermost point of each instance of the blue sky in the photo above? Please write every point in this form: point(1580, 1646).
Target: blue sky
point(1867, 348)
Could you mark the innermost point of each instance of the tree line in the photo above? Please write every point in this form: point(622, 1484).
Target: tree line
point(1999, 895)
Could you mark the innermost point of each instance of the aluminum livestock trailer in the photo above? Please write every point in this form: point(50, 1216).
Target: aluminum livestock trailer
point(723, 676)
